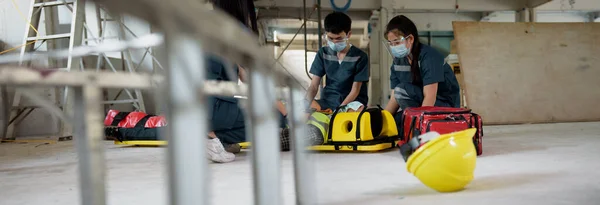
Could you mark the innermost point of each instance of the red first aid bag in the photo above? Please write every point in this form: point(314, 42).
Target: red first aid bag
point(443, 120)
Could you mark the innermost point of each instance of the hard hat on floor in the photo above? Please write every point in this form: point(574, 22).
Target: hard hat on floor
point(447, 162)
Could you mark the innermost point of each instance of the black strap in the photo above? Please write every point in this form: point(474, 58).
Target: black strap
point(142, 122)
point(408, 148)
point(330, 131)
point(412, 127)
point(376, 121)
point(358, 124)
point(476, 116)
point(479, 132)
point(118, 118)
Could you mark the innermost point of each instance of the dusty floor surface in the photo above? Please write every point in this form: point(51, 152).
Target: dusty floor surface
point(522, 164)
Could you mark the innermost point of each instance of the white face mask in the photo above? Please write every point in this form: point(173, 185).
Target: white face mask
point(337, 47)
point(399, 51)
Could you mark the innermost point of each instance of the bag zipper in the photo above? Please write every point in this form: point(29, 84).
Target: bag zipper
point(448, 112)
point(444, 120)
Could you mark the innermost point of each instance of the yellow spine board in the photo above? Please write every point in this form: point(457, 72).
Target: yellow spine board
point(345, 126)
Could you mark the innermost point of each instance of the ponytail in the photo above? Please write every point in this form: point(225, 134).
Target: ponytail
point(402, 26)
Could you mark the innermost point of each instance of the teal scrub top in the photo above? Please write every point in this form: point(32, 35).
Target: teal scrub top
point(341, 75)
point(433, 69)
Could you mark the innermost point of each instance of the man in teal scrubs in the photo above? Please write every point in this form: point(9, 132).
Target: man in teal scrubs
point(345, 66)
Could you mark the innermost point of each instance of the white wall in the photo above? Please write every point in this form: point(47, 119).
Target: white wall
point(293, 60)
point(542, 16)
point(438, 21)
point(12, 24)
point(12, 30)
point(562, 17)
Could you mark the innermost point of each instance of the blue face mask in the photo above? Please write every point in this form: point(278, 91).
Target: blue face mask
point(399, 51)
point(337, 47)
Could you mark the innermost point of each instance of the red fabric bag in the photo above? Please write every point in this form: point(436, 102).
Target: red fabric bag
point(131, 119)
point(420, 120)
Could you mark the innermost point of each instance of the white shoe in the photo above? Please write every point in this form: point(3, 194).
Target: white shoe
point(216, 152)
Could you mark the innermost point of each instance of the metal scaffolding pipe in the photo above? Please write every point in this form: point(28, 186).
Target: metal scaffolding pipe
point(305, 39)
point(265, 140)
point(187, 24)
point(88, 135)
point(319, 23)
point(188, 127)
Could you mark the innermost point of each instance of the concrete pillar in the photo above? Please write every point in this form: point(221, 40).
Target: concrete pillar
point(526, 15)
point(384, 56)
point(522, 15)
point(593, 16)
point(532, 14)
point(375, 96)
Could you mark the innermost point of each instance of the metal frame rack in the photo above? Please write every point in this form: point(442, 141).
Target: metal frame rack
point(190, 30)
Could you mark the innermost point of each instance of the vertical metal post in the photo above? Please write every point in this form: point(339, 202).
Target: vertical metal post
point(187, 116)
point(126, 54)
point(75, 40)
point(303, 171)
point(429, 37)
point(88, 138)
point(319, 23)
point(320, 33)
point(264, 138)
point(305, 37)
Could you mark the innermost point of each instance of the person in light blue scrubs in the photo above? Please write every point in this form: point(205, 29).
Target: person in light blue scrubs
point(345, 66)
point(419, 75)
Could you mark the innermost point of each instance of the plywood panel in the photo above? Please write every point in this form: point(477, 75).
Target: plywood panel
point(531, 72)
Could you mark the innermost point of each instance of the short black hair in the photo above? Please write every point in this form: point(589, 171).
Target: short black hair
point(337, 22)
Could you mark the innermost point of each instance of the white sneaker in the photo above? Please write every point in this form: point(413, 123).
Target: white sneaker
point(216, 152)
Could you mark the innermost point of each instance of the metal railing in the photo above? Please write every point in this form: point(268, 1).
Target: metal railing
point(190, 31)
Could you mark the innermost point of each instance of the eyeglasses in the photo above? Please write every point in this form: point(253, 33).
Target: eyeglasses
point(397, 41)
point(340, 39)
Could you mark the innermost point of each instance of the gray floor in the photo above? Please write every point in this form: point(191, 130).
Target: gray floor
point(524, 164)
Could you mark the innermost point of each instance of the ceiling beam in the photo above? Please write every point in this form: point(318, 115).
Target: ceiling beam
point(365, 5)
point(446, 5)
point(579, 5)
point(297, 13)
point(536, 3)
point(312, 31)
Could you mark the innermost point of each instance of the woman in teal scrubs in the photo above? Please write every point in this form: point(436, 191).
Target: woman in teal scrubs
point(419, 76)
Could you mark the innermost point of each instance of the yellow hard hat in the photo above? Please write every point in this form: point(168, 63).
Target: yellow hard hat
point(446, 163)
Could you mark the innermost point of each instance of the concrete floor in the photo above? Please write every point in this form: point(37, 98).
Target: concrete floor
point(524, 164)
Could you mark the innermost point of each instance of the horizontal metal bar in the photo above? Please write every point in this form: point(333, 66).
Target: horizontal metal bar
point(105, 79)
point(220, 33)
point(119, 101)
point(22, 76)
point(54, 3)
point(49, 37)
point(141, 42)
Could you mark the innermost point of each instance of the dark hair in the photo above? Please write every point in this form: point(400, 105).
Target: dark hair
point(337, 22)
point(401, 25)
point(242, 10)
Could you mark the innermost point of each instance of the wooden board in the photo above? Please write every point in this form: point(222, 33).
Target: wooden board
point(530, 72)
point(453, 49)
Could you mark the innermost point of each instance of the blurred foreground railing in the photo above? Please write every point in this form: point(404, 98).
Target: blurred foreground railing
point(190, 31)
